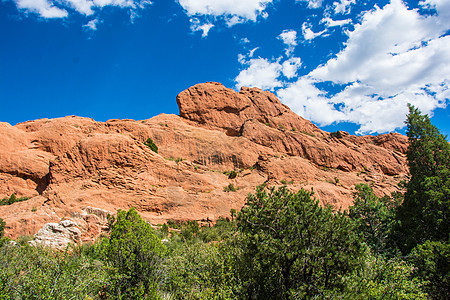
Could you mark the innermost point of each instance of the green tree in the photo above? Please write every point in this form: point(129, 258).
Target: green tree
point(135, 253)
point(432, 264)
point(293, 248)
point(373, 216)
point(424, 214)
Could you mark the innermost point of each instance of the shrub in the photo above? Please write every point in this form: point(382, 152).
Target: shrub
point(28, 272)
point(231, 174)
point(432, 264)
point(336, 134)
point(12, 199)
point(289, 246)
point(135, 253)
point(382, 278)
point(149, 143)
point(373, 217)
point(230, 188)
point(2, 227)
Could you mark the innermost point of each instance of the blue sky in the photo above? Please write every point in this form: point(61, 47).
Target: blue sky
point(344, 64)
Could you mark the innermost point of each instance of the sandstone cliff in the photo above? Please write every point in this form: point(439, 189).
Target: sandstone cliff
point(72, 165)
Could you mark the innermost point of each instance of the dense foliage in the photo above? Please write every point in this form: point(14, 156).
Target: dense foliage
point(281, 245)
point(425, 212)
point(292, 247)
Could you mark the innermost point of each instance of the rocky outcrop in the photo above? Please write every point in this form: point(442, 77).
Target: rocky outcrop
point(214, 105)
point(57, 235)
point(262, 119)
point(83, 170)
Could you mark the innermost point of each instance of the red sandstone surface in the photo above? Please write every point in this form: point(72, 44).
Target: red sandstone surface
point(79, 169)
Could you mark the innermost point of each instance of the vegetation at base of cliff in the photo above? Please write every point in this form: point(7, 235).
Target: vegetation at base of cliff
point(281, 245)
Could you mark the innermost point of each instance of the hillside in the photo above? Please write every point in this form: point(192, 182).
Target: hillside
point(79, 169)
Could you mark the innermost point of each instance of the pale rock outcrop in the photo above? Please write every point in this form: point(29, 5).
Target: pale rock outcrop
point(57, 235)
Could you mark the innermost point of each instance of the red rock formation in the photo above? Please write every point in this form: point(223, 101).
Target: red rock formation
point(70, 164)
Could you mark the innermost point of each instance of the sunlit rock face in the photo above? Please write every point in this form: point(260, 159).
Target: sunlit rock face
point(67, 164)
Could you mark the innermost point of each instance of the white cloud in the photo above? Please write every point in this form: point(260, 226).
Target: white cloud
point(343, 7)
point(392, 50)
point(197, 25)
point(334, 23)
point(289, 67)
point(44, 8)
point(312, 3)
point(289, 38)
point(260, 72)
point(307, 100)
point(244, 41)
point(393, 57)
point(252, 51)
point(82, 6)
point(308, 34)
point(92, 25)
point(207, 12)
point(245, 9)
point(61, 8)
point(266, 74)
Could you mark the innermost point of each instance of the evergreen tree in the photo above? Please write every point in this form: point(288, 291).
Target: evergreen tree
point(424, 214)
point(373, 216)
point(135, 254)
point(293, 248)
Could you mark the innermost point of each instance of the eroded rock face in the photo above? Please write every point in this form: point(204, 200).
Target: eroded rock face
point(67, 165)
point(214, 105)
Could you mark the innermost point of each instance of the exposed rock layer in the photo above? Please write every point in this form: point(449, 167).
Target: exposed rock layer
point(68, 164)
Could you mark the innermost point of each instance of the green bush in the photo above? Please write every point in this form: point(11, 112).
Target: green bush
point(432, 264)
point(12, 199)
point(28, 272)
point(2, 227)
point(382, 278)
point(230, 188)
point(149, 143)
point(231, 174)
point(336, 134)
point(135, 254)
point(197, 271)
point(373, 217)
point(290, 247)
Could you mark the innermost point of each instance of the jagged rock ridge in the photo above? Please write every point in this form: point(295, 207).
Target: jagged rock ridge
point(70, 164)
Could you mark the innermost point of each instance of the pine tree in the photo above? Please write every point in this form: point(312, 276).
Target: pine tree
point(424, 214)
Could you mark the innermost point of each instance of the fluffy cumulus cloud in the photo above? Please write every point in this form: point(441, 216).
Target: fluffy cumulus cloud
point(237, 9)
point(197, 25)
point(44, 8)
point(343, 6)
point(289, 38)
point(63, 8)
point(270, 74)
point(259, 72)
point(231, 12)
point(394, 56)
